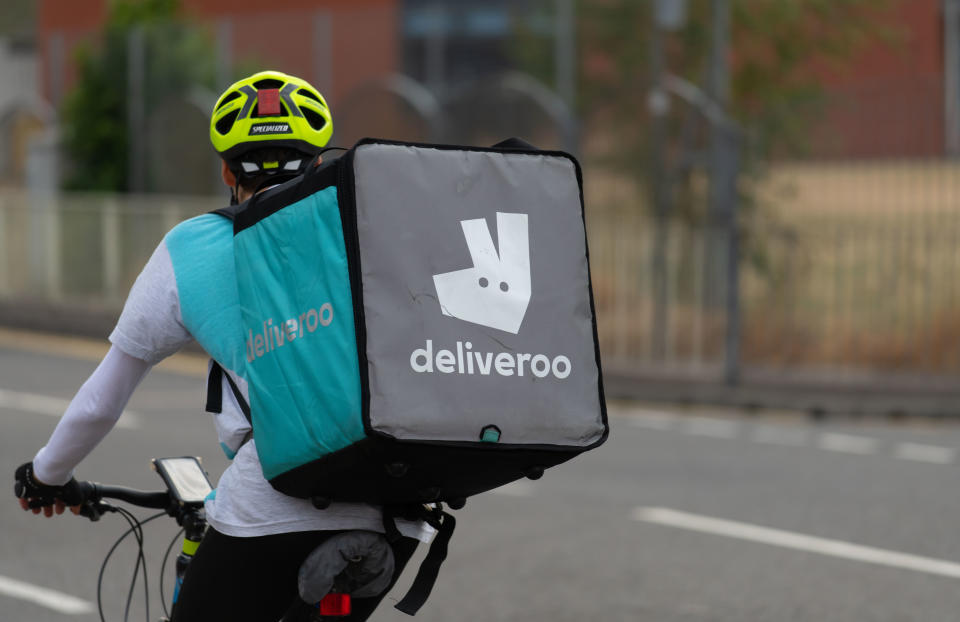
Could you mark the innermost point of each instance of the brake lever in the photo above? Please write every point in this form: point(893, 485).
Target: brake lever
point(93, 507)
point(93, 510)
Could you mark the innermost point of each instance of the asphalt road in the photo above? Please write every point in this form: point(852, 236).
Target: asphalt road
point(681, 516)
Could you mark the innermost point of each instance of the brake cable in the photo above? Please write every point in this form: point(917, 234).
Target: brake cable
point(136, 528)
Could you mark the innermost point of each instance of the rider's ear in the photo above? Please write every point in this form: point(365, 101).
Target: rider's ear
point(319, 160)
point(228, 177)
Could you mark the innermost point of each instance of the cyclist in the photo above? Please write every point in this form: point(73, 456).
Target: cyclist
point(267, 128)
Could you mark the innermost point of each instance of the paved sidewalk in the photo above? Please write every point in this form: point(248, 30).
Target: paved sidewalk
point(823, 393)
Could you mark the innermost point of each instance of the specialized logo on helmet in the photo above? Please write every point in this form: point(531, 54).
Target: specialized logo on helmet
point(495, 292)
point(259, 129)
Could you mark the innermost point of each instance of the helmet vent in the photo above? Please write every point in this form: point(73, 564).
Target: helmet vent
point(311, 95)
point(268, 83)
point(229, 98)
point(313, 118)
point(226, 123)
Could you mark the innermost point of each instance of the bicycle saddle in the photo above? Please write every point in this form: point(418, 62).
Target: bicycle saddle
point(359, 563)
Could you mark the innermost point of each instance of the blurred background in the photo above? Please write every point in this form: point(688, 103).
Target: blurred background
point(772, 190)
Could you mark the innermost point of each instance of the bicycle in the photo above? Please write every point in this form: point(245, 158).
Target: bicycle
point(358, 563)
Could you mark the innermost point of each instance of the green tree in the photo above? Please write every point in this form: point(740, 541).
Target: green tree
point(95, 113)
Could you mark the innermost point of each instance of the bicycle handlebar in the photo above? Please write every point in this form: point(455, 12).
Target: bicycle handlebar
point(93, 494)
point(159, 499)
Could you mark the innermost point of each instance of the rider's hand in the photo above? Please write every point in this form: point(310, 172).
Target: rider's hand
point(37, 496)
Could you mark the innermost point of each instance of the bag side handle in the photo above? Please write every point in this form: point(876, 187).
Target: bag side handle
point(515, 143)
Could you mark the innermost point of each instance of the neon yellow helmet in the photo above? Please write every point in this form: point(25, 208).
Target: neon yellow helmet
point(267, 110)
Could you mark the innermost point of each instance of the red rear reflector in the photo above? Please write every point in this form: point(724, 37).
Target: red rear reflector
point(268, 102)
point(334, 604)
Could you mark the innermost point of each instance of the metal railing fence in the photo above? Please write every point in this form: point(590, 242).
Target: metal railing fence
point(845, 268)
point(83, 249)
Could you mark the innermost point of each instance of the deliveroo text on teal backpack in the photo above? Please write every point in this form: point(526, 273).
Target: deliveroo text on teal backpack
point(301, 347)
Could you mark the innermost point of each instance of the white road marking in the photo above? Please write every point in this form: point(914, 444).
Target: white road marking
point(55, 407)
point(848, 443)
point(651, 419)
point(773, 435)
point(926, 453)
point(714, 428)
point(519, 488)
point(797, 541)
point(784, 435)
point(51, 599)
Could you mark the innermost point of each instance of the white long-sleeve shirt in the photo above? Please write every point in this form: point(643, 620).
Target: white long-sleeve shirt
point(151, 328)
point(91, 415)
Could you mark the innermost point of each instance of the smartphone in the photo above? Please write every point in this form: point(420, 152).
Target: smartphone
point(185, 478)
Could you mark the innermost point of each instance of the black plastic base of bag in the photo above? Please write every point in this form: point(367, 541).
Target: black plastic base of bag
point(388, 472)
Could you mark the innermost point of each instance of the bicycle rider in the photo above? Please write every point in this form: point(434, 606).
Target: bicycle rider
point(258, 537)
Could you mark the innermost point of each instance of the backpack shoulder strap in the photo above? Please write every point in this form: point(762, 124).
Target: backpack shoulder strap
point(230, 213)
point(215, 391)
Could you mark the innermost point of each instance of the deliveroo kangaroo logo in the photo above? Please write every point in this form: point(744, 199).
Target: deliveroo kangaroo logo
point(495, 292)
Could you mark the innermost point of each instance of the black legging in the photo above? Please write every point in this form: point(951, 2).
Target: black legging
point(255, 579)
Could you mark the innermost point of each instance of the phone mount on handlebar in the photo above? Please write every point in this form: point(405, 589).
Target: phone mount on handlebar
point(187, 488)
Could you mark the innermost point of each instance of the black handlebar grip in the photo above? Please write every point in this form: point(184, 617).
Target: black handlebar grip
point(88, 491)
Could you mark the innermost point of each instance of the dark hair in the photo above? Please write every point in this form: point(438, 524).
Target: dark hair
point(253, 182)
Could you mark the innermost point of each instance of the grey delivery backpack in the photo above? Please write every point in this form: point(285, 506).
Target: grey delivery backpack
point(419, 323)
